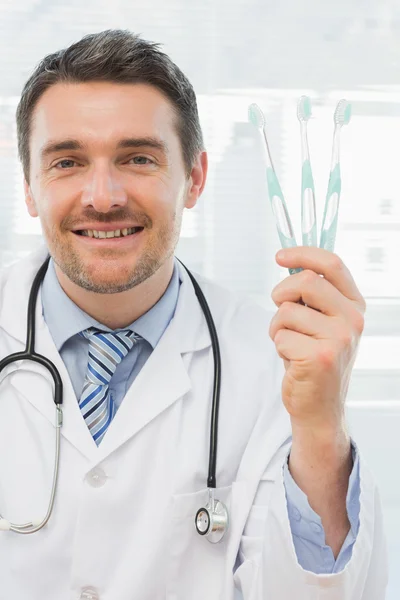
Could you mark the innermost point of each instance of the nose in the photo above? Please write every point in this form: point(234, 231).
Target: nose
point(103, 190)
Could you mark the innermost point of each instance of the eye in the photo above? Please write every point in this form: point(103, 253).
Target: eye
point(142, 160)
point(66, 160)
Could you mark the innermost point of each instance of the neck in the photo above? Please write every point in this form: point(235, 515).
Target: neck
point(119, 310)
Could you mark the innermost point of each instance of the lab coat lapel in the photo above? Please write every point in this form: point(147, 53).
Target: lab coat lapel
point(36, 386)
point(32, 382)
point(164, 379)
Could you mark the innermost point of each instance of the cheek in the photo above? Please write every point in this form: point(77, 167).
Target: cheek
point(54, 205)
point(160, 198)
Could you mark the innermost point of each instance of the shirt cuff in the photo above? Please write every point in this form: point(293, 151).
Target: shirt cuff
point(306, 526)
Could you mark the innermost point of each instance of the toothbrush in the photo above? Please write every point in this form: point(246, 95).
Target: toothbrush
point(279, 208)
point(341, 117)
point(308, 212)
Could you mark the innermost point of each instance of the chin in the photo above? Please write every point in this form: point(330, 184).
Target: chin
point(106, 278)
point(110, 276)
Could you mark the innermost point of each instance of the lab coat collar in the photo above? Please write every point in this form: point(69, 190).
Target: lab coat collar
point(15, 287)
point(162, 381)
point(16, 282)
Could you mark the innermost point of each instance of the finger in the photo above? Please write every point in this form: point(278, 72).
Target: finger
point(315, 291)
point(291, 345)
point(324, 263)
point(304, 320)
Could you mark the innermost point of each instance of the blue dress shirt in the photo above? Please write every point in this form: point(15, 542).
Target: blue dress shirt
point(307, 531)
point(73, 348)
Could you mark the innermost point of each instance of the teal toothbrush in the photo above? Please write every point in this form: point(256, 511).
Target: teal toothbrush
point(279, 208)
point(308, 211)
point(341, 117)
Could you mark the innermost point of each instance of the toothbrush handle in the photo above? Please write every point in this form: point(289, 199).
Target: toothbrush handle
point(281, 213)
point(329, 224)
point(308, 214)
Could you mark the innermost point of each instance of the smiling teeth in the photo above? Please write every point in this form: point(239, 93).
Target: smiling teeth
point(109, 234)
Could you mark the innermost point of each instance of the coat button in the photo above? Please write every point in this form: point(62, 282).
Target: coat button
point(96, 477)
point(89, 593)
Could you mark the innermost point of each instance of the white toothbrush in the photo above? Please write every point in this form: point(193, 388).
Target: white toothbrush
point(341, 117)
point(308, 211)
point(279, 208)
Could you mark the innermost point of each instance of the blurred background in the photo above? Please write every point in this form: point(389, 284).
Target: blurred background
point(236, 52)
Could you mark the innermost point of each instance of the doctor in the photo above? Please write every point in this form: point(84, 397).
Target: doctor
point(112, 152)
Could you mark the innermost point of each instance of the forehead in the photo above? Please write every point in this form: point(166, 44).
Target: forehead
point(102, 112)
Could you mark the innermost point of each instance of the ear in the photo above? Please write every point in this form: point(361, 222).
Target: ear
point(29, 200)
point(197, 180)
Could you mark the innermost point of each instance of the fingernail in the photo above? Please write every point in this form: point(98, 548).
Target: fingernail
point(281, 254)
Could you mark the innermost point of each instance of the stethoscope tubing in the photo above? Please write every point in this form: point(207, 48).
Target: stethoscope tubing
point(212, 465)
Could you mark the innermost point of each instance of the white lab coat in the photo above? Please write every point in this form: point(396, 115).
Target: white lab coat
point(123, 521)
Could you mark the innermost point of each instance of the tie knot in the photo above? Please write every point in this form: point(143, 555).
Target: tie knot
point(106, 350)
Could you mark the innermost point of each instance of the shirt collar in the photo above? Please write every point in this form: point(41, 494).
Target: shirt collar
point(55, 301)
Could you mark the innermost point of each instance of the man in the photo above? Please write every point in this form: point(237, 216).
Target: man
point(112, 152)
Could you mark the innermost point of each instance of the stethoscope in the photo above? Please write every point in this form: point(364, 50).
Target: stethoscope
point(211, 520)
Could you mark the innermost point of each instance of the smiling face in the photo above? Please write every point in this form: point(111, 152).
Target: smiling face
point(108, 182)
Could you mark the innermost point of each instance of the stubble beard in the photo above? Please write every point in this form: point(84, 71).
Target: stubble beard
point(159, 249)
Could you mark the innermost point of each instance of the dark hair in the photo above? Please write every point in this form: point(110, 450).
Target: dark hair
point(117, 56)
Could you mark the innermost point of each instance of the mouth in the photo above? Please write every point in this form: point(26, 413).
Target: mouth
point(110, 234)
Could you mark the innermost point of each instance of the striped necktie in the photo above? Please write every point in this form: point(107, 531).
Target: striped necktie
point(106, 350)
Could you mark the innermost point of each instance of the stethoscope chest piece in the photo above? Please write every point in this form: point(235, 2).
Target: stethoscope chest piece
point(212, 520)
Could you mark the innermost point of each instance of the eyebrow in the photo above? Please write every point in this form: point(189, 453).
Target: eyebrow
point(72, 144)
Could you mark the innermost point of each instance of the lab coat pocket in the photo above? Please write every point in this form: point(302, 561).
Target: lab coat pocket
point(196, 567)
point(252, 539)
point(253, 533)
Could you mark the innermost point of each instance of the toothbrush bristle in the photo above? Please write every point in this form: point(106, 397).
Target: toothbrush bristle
point(342, 114)
point(304, 108)
point(256, 116)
